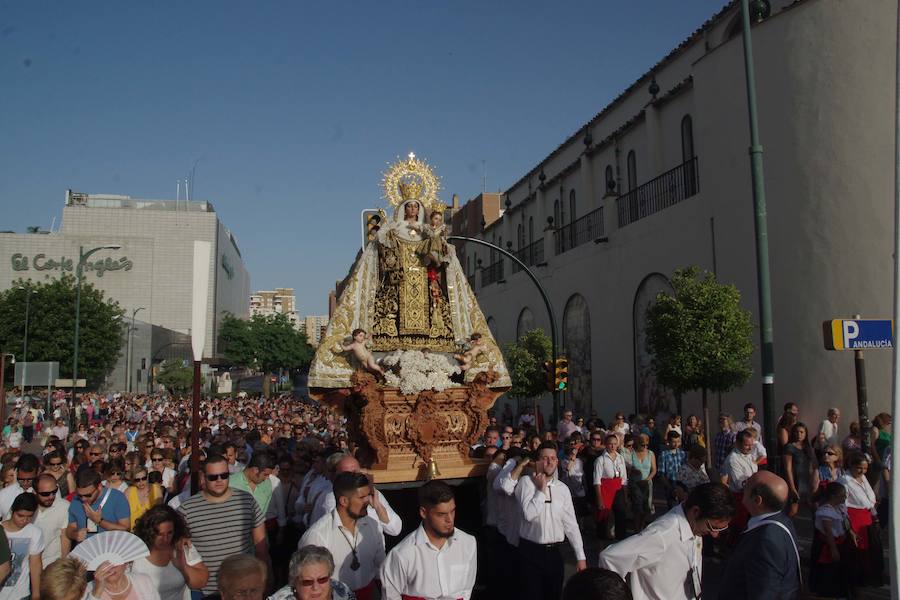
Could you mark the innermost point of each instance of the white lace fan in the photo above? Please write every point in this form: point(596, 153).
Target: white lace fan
point(117, 547)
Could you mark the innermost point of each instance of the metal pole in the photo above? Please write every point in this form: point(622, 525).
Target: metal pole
point(862, 402)
point(762, 240)
point(78, 273)
point(894, 496)
point(531, 275)
point(3, 388)
point(25, 344)
point(195, 431)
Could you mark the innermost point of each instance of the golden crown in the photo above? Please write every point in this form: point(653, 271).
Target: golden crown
point(411, 179)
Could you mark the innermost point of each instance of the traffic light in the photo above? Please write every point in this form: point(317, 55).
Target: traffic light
point(372, 220)
point(549, 376)
point(561, 380)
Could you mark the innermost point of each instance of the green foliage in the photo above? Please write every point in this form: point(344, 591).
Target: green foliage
point(700, 337)
point(266, 343)
point(51, 326)
point(175, 376)
point(525, 360)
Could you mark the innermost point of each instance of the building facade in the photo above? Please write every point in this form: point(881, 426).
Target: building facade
point(151, 276)
point(660, 179)
point(280, 301)
point(314, 328)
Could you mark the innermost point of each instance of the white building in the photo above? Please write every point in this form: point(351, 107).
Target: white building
point(660, 179)
point(151, 273)
point(280, 301)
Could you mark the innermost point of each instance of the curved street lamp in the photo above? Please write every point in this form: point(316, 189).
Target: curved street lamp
point(79, 271)
point(29, 292)
point(129, 362)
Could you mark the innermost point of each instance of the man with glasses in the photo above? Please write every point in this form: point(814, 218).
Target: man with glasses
point(566, 427)
point(665, 560)
point(52, 517)
point(223, 521)
point(96, 508)
point(26, 472)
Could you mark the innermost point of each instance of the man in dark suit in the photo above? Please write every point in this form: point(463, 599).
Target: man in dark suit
point(765, 565)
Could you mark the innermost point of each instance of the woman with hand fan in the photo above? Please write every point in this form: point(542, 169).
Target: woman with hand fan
point(174, 564)
point(113, 582)
point(26, 542)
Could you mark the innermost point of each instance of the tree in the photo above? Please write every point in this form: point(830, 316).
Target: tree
point(700, 337)
point(51, 326)
point(265, 343)
point(175, 376)
point(525, 361)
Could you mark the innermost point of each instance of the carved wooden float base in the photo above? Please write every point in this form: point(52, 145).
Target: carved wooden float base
point(397, 435)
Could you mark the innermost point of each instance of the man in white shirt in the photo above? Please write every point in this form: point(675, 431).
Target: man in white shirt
point(828, 430)
point(436, 560)
point(353, 538)
point(749, 415)
point(739, 466)
point(379, 509)
point(548, 519)
point(52, 517)
point(26, 473)
point(665, 560)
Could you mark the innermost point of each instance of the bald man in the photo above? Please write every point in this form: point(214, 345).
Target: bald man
point(765, 565)
point(388, 520)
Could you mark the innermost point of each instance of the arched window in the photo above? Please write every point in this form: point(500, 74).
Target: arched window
point(632, 170)
point(530, 230)
point(572, 212)
point(610, 180)
point(576, 340)
point(562, 208)
point(651, 399)
point(556, 220)
point(525, 322)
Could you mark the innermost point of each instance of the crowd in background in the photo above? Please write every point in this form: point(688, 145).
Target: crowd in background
point(279, 483)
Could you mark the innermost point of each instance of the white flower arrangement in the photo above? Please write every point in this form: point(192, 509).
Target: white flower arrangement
point(414, 371)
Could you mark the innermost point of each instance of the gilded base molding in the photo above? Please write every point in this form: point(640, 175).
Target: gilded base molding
point(401, 433)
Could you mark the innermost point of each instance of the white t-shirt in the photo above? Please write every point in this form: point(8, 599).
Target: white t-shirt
point(168, 580)
point(22, 544)
point(51, 522)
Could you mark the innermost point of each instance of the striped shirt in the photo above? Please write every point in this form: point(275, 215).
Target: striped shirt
point(222, 529)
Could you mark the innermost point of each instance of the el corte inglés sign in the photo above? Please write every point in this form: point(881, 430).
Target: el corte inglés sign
point(41, 262)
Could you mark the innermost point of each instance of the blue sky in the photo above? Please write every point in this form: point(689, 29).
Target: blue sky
point(291, 110)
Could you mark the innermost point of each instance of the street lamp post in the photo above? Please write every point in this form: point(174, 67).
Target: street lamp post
point(767, 344)
point(79, 271)
point(129, 361)
point(28, 292)
point(3, 356)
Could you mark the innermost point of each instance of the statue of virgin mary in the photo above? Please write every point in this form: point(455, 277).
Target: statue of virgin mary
point(405, 294)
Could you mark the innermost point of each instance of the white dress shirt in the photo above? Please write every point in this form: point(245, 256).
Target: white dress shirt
point(52, 522)
point(738, 467)
point(276, 508)
point(859, 493)
point(415, 567)
point(830, 431)
point(367, 539)
point(548, 518)
point(325, 503)
point(606, 467)
point(509, 513)
point(660, 559)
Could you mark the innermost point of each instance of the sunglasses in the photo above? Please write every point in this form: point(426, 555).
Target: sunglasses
point(96, 453)
point(144, 478)
point(48, 494)
point(217, 476)
point(86, 496)
point(157, 458)
point(26, 478)
point(319, 580)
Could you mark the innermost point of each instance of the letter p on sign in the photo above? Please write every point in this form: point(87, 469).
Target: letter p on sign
point(851, 332)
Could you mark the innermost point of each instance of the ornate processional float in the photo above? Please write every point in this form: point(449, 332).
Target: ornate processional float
point(407, 356)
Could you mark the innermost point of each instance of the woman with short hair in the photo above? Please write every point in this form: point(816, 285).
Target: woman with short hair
point(310, 577)
point(64, 579)
point(174, 564)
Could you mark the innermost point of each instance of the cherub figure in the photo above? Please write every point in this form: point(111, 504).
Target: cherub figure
point(434, 246)
point(362, 354)
point(467, 358)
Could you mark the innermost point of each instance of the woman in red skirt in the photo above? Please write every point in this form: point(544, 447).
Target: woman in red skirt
point(867, 556)
point(610, 479)
point(833, 544)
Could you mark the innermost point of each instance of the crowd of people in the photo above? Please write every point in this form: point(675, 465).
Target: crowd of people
point(285, 511)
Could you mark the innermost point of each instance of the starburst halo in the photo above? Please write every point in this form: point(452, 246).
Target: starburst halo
point(412, 172)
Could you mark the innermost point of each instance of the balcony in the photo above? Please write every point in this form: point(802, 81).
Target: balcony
point(532, 254)
point(668, 189)
point(582, 230)
point(492, 273)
